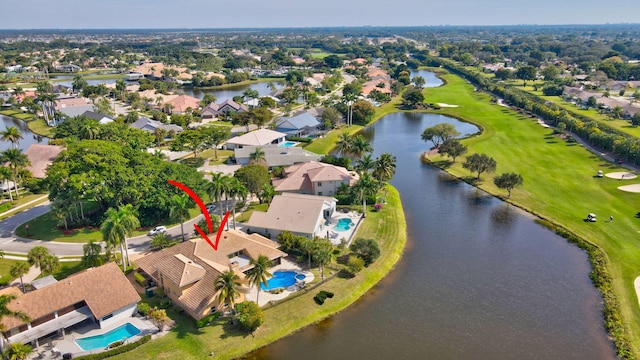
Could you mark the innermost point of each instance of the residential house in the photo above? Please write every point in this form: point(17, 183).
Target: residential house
point(315, 178)
point(259, 137)
point(230, 107)
point(100, 295)
point(182, 103)
point(303, 215)
point(41, 156)
point(68, 68)
point(133, 76)
point(188, 271)
point(147, 124)
point(275, 155)
point(300, 125)
point(100, 118)
point(210, 112)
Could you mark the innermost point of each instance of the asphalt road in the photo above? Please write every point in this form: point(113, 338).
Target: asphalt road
point(12, 244)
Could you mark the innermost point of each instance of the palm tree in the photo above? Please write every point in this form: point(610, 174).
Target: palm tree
point(78, 83)
point(384, 167)
point(217, 187)
point(17, 160)
point(18, 351)
point(236, 191)
point(322, 254)
point(91, 254)
point(48, 103)
point(365, 164)
point(11, 134)
point(5, 176)
point(259, 273)
point(90, 129)
point(344, 146)
point(267, 193)
point(18, 270)
point(349, 98)
point(365, 186)
point(258, 156)
point(118, 225)
point(360, 146)
point(50, 264)
point(227, 288)
point(179, 209)
point(17, 91)
point(36, 255)
point(5, 311)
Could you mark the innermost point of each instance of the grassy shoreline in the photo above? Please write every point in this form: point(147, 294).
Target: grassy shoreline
point(187, 342)
point(559, 188)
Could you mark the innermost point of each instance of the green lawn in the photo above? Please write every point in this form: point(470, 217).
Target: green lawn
point(559, 184)
point(186, 342)
point(40, 127)
point(246, 215)
point(5, 265)
point(23, 200)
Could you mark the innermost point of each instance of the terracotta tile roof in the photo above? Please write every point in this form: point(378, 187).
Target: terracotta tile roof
point(300, 176)
point(195, 262)
point(41, 156)
point(182, 102)
point(105, 289)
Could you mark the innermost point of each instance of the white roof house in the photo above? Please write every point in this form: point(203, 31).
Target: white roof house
point(275, 155)
point(259, 137)
point(303, 215)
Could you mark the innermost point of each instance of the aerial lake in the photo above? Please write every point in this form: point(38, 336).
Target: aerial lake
point(479, 279)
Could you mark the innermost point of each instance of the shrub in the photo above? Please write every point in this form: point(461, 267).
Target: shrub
point(140, 279)
point(322, 296)
point(367, 249)
point(193, 162)
point(207, 320)
point(377, 207)
point(250, 315)
point(115, 344)
point(354, 265)
point(6, 206)
point(117, 351)
point(143, 308)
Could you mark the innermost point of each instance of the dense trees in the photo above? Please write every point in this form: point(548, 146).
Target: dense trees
point(253, 177)
point(112, 174)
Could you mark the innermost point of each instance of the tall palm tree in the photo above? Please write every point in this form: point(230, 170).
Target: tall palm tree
point(217, 187)
point(50, 264)
point(117, 226)
point(384, 167)
point(257, 156)
point(365, 164)
point(179, 209)
point(322, 254)
point(5, 176)
point(5, 311)
point(11, 134)
point(360, 147)
point(267, 193)
point(48, 103)
point(259, 273)
point(237, 191)
point(349, 99)
point(18, 91)
point(36, 255)
point(90, 129)
point(344, 146)
point(227, 288)
point(91, 254)
point(365, 186)
point(17, 160)
point(18, 270)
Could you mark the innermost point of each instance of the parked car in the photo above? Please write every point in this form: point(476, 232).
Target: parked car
point(157, 230)
point(211, 208)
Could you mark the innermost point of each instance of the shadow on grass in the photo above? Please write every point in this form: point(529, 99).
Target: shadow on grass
point(232, 330)
point(443, 164)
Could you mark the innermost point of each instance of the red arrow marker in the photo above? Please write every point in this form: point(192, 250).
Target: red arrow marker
point(204, 211)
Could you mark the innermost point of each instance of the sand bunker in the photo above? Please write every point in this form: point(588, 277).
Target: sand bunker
point(635, 188)
point(446, 105)
point(621, 175)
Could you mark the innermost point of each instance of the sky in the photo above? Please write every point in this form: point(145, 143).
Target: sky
point(144, 14)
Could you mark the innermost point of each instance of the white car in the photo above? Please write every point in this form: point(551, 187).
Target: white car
point(157, 230)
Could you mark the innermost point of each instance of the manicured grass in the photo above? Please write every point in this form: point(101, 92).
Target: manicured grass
point(94, 77)
point(18, 114)
point(320, 55)
point(328, 142)
point(559, 184)
point(23, 200)
point(185, 341)
point(5, 266)
point(40, 127)
point(246, 82)
point(246, 215)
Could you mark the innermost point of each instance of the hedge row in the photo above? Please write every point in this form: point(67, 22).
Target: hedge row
point(602, 280)
point(322, 296)
point(116, 351)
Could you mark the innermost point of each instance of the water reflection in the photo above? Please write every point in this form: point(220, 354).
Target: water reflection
point(28, 137)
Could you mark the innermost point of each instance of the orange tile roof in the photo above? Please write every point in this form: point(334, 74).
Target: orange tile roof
point(105, 289)
point(40, 156)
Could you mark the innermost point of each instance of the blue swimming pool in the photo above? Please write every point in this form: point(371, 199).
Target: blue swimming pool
point(282, 279)
point(344, 224)
point(122, 332)
point(288, 143)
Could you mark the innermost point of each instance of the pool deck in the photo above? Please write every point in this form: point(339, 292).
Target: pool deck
point(336, 236)
point(266, 297)
point(56, 347)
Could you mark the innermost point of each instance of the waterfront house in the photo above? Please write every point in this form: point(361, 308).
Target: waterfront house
point(100, 295)
point(303, 215)
point(40, 157)
point(275, 155)
point(259, 137)
point(187, 272)
point(300, 125)
point(315, 178)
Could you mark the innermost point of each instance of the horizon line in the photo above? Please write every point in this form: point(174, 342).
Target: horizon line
point(322, 27)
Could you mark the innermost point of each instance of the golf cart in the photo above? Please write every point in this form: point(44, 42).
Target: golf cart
point(591, 217)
